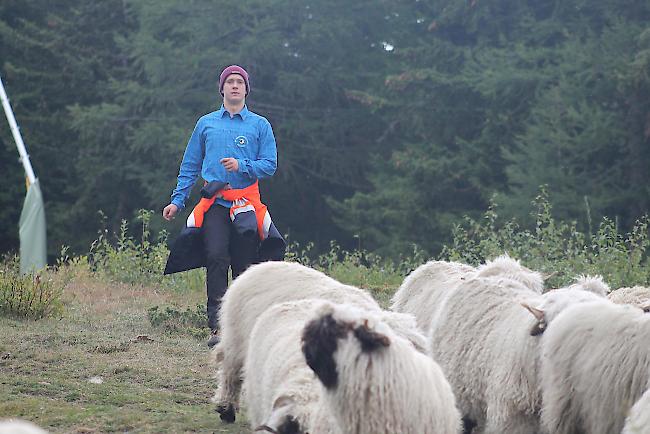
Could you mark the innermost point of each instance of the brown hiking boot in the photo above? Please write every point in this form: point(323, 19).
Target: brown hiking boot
point(215, 337)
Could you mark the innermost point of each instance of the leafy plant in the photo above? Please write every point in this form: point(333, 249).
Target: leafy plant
point(129, 260)
point(32, 296)
point(189, 321)
point(556, 248)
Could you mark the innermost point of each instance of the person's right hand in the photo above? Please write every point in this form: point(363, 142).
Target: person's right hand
point(170, 212)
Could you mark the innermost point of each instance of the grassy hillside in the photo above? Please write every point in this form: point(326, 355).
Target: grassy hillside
point(103, 367)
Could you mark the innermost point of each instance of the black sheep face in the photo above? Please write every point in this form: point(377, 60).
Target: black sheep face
point(319, 342)
point(289, 426)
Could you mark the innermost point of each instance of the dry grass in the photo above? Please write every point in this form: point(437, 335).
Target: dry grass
point(49, 369)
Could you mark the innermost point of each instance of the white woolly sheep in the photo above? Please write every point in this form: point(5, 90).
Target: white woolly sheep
point(280, 392)
point(595, 364)
point(269, 283)
point(482, 340)
point(422, 291)
point(637, 296)
point(638, 421)
point(374, 380)
point(506, 267)
point(19, 426)
point(585, 288)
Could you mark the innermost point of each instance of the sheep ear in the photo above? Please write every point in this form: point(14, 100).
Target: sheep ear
point(537, 313)
point(370, 340)
point(319, 342)
point(540, 326)
point(646, 308)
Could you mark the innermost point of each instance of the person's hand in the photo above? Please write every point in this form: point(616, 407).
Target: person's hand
point(230, 164)
point(170, 212)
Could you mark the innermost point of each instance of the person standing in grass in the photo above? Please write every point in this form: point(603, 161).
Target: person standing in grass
point(231, 148)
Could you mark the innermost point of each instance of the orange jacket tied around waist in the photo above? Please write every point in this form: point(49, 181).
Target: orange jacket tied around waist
point(187, 251)
point(243, 200)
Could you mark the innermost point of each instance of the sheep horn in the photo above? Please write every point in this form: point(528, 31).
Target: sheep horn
point(537, 313)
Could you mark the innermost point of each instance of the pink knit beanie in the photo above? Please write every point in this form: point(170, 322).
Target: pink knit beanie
point(234, 69)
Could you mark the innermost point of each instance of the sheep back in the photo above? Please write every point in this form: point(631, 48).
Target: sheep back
point(423, 290)
point(482, 342)
point(594, 340)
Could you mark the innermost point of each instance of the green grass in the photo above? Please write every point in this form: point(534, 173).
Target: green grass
point(158, 385)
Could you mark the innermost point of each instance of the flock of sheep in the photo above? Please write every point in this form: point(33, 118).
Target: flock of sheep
point(462, 349)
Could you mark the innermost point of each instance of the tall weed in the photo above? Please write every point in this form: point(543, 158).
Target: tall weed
point(30, 296)
point(556, 248)
point(123, 258)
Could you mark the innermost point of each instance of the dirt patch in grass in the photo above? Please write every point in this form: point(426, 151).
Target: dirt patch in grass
point(103, 367)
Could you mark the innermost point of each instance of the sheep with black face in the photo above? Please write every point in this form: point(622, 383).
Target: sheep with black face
point(281, 395)
point(375, 381)
point(255, 290)
point(269, 283)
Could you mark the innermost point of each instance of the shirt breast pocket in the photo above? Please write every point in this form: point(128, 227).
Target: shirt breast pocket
point(244, 144)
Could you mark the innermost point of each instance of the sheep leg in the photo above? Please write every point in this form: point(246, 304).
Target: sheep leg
point(229, 389)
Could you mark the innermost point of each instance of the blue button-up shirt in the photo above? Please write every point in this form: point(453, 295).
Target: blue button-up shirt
point(246, 136)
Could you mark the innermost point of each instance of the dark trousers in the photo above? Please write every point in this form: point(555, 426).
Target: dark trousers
point(224, 248)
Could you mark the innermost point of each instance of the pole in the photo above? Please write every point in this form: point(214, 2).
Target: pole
point(24, 157)
point(32, 230)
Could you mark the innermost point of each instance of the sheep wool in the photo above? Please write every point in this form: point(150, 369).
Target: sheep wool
point(374, 381)
point(638, 421)
point(593, 340)
point(506, 267)
point(280, 392)
point(423, 290)
point(584, 289)
point(637, 296)
point(19, 426)
point(264, 285)
point(482, 340)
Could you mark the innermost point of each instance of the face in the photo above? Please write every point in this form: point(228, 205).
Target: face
point(234, 89)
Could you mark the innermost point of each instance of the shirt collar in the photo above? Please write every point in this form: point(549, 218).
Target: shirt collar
point(242, 114)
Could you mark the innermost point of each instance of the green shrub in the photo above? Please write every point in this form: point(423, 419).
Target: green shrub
point(127, 260)
point(555, 248)
point(30, 296)
point(188, 321)
point(360, 268)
